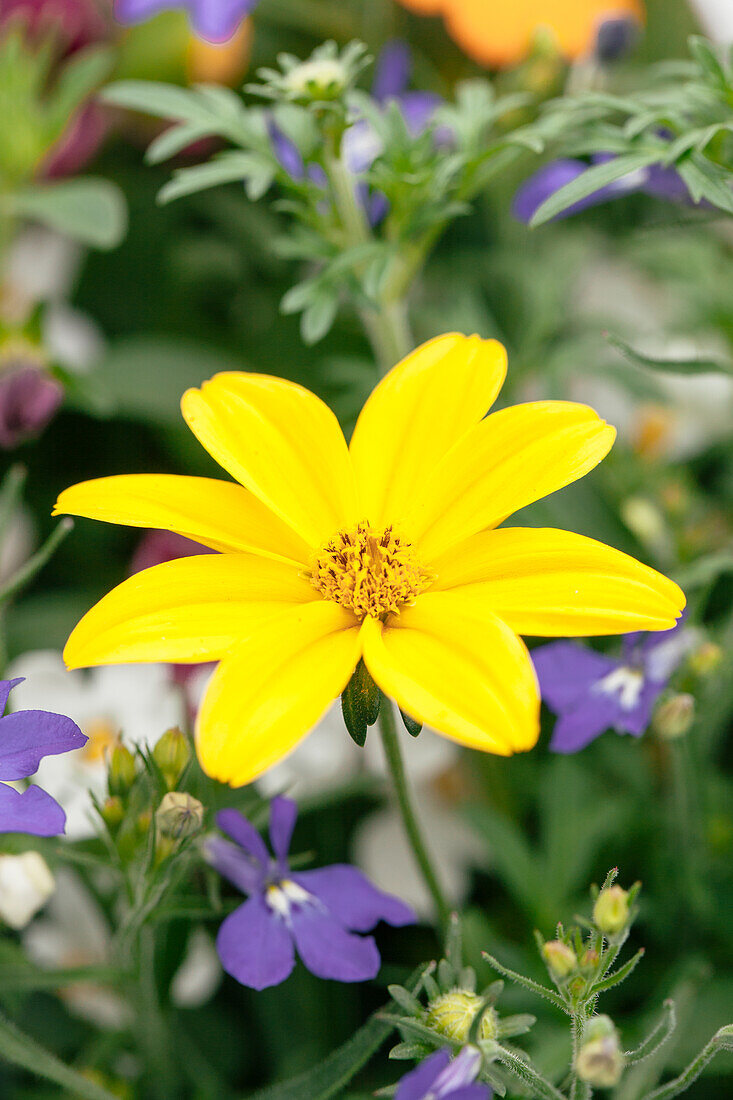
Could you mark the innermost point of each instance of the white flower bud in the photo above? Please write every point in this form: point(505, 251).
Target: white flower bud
point(26, 884)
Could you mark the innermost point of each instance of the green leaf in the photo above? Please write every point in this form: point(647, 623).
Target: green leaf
point(592, 180)
point(21, 1050)
point(91, 211)
point(152, 97)
point(145, 376)
point(413, 727)
point(319, 315)
point(248, 168)
point(331, 1076)
point(360, 701)
point(670, 366)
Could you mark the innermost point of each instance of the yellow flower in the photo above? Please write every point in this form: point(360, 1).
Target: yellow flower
point(501, 33)
point(386, 550)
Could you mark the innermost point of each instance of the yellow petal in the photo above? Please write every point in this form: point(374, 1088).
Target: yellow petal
point(509, 460)
point(218, 514)
point(558, 584)
point(466, 674)
point(265, 697)
point(283, 444)
point(416, 414)
point(192, 609)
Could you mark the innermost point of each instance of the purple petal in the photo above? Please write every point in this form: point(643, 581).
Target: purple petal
point(28, 400)
point(30, 811)
point(566, 672)
point(157, 547)
point(6, 686)
point(245, 872)
point(392, 71)
point(328, 950)
point(415, 1085)
point(548, 180)
point(666, 183)
point(255, 946)
point(418, 109)
point(286, 152)
point(616, 38)
point(589, 719)
point(218, 20)
point(352, 899)
point(636, 721)
point(235, 825)
point(29, 735)
point(283, 815)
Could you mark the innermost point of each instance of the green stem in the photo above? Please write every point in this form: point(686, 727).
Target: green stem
point(395, 763)
point(387, 325)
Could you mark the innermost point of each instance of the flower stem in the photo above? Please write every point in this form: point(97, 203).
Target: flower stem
point(386, 323)
point(395, 763)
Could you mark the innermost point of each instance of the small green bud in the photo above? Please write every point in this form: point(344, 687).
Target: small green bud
point(561, 960)
point(589, 959)
point(179, 815)
point(706, 659)
point(674, 716)
point(600, 1060)
point(172, 755)
point(611, 910)
point(113, 812)
point(122, 771)
point(452, 1015)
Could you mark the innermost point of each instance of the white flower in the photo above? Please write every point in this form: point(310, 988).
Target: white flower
point(74, 933)
point(198, 977)
point(42, 266)
point(716, 17)
point(135, 702)
point(26, 884)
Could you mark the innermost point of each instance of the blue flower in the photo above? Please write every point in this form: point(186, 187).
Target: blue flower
point(25, 738)
point(439, 1078)
point(591, 692)
point(316, 912)
point(657, 181)
point(213, 20)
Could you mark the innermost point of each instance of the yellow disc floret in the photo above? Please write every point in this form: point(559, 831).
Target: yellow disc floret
point(371, 572)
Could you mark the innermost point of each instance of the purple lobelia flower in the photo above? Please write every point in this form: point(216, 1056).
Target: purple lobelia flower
point(591, 692)
point(212, 20)
point(25, 738)
point(658, 181)
point(29, 398)
point(439, 1078)
point(318, 912)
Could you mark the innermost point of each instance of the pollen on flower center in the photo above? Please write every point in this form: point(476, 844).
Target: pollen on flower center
point(370, 571)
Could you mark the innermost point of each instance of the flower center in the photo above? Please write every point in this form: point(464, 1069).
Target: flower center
point(626, 683)
point(282, 896)
point(370, 572)
point(102, 739)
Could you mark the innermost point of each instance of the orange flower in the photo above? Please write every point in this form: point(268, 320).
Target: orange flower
point(497, 33)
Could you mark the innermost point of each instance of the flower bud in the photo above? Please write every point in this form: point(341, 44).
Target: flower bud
point(589, 959)
point(179, 815)
point(26, 884)
point(172, 754)
point(674, 717)
point(706, 659)
point(561, 960)
point(122, 772)
point(452, 1014)
point(600, 1060)
point(319, 78)
point(611, 910)
point(113, 812)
